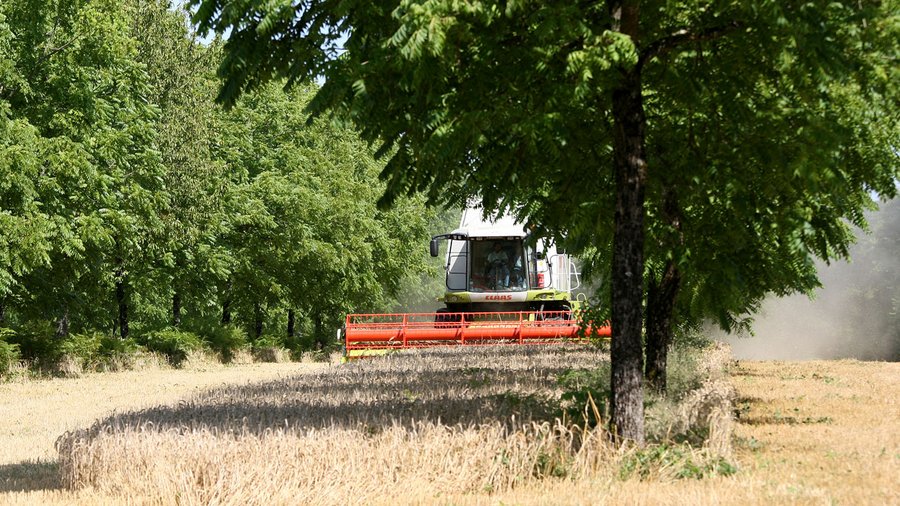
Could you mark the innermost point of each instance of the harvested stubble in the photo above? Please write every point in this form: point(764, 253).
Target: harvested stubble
point(442, 421)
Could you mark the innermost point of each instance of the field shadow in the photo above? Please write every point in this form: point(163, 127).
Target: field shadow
point(784, 420)
point(30, 476)
point(370, 397)
point(739, 371)
point(373, 416)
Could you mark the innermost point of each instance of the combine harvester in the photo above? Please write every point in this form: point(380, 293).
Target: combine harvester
point(503, 287)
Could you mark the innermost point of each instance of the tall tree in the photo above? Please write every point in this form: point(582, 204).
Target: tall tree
point(788, 161)
point(130, 201)
point(303, 228)
point(85, 94)
point(520, 102)
point(188, 260)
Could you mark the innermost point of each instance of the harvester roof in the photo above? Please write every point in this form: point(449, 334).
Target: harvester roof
point(494, 232)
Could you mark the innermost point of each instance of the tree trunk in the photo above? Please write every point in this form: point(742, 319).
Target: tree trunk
point(630, 167)
point(2, 313)
point(226, 312)
point(122, 300)
point(318, 331)
point(290, 323)
point(226, 304)
point(661, 297)
point(62, 325)
point(258, 320)
point(176, 309)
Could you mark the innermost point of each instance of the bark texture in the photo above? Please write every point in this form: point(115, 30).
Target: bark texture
point(122, 300)
point(257, 320)
point(661, 296)
point(226, 304)
point(290, 323)
point(630, 167)
point(62, 325)
point(176, 309)
point(318, 329)
point(226, 312)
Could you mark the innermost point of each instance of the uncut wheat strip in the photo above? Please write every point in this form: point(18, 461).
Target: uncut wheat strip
point(212, 468)
point(529, 366)
point(520, 458)
point(431, 387)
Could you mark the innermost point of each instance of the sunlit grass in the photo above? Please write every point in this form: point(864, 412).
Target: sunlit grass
point(450, 421)
point(805, 433)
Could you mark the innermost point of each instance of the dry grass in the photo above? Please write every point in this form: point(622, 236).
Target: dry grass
point(378, 432)
point(824, 432)
point(445, 421)
point(34, 412)
point(808, 433)
point(322, 466)
point(452, 421)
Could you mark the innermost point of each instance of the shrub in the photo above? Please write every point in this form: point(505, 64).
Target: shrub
point(268, 348)
point(694, 389)
point(173, 343)
point(113, 347)
point(225, 340)
point(586, 394)
point(682, 372)
point(692, 336)
point(664, 461)
point(118, 354)
point(84, 348)
point(69, 356)
point(268, 341)
point(9, 352)
point(36, 341)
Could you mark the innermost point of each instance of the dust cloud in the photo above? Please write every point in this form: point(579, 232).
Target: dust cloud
point(797, 328)
point(856, 313)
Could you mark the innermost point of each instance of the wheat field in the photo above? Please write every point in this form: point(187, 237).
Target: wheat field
point(442, 427)
point(445, 421)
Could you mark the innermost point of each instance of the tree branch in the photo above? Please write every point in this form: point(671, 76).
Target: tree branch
point(664, 45)
point(49, 53)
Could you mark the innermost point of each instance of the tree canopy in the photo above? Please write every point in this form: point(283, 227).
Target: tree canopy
point(737, 136)
point(130, 202)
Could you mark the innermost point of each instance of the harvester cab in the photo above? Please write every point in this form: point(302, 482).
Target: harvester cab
point(495, 265)
point(504, 286)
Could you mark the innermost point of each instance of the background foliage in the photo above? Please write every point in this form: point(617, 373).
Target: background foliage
point(131, 205)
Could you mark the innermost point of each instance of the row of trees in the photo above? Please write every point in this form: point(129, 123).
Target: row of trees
point(705, 152)
point(129, 201)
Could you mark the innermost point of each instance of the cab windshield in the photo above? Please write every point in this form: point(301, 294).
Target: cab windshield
point(497, 266)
